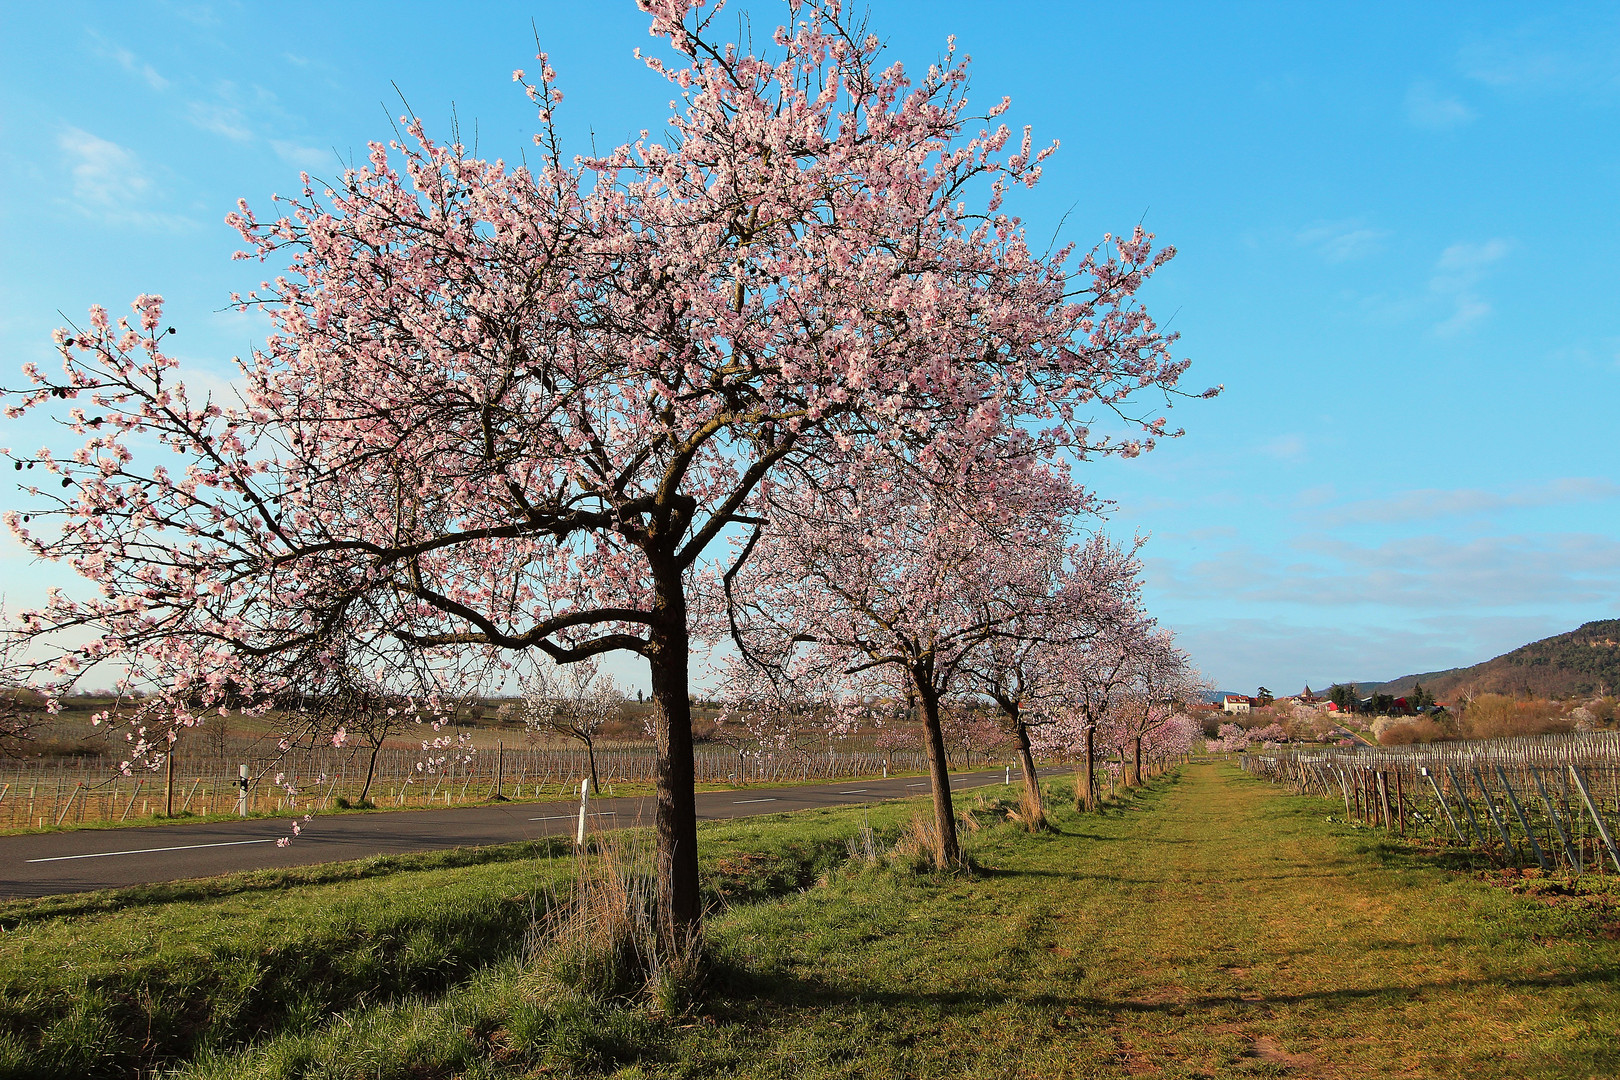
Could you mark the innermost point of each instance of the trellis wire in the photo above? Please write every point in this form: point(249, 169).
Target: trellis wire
point(86, 789)
point(1551, 800)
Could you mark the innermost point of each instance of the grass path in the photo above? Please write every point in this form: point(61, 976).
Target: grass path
point(1214, 928)
point(1207, 926)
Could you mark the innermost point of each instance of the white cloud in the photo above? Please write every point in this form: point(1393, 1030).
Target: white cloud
point(106, 176)
point(1342, 241)
point(1287, 654)
point(301, 157)
point(226, 120)
point(111, 182)
point(1427, 108)
point(1470, 310)
point(1431, 503)
point(1287, 447)
point(1434, 573)
point(1466, 263)
point(134, 64)
point(1578, 53)
point(1460, 268)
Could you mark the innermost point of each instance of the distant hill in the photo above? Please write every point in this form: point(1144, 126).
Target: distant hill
point(1584, 661)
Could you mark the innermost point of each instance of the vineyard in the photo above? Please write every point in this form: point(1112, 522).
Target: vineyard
point(1552, 801)
point(89, 790)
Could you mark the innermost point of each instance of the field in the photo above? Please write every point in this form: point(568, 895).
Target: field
point(85, 791)
point(1207, 926)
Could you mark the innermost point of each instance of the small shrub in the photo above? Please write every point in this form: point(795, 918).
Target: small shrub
point(600, 939)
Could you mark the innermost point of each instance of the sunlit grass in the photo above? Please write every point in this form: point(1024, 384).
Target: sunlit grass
point(1206, 927)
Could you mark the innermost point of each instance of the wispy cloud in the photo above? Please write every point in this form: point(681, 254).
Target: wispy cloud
point(130, 62)
point(1286, 654)
point(110, 182)
point(1343, 241)
point(226, 120)
point(1286, 447)
point(1460, 268)
point(1430, 503)
point(1579, 53)
point(106, 176)
point(301, 157)
point(1431, 573)
point(1427, 107)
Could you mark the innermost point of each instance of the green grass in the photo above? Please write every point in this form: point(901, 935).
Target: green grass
point(113, 982)
point(1208, 926)
point(566, 793)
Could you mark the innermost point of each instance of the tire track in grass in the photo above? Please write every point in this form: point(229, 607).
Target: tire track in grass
point(1247, 936)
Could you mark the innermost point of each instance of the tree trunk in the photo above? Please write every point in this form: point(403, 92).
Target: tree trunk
point(590, 752)
point(1034, 812)
point(1086, 790)
point(680, 909)
point(947, 852)
point(371, 771)
point(1136, 762)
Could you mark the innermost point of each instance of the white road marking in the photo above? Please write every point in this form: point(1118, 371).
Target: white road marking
point(575, 817)
point(739, 802)
point(857, 791)
point(150, 850)
point(916, 785)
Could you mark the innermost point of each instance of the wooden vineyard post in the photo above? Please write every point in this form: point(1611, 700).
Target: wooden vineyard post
point(69, 806)
point(1490, 808)
point(1591, 808)
point(1445, 806)
point(1400, 802)
point(1344, 787)
point(168, 785)
point(1459, 789)
point(1383, 800)
point(1552, 812)
point(1524, 822)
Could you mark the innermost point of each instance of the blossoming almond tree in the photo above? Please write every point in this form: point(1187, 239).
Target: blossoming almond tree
point(575, 701)
point(1024, 670)
point(512, 408)
point(1099, 673)
point(873, 573)
point(1163, 677)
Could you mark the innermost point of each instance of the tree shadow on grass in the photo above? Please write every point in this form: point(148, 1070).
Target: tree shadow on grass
point(739, 993)
point(1407, 855)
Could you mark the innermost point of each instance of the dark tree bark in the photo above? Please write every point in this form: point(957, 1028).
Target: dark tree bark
point(590, 752)
point(1034, 809)
point(371, 771)
point(680, 908)
point(1086, 790)
point(947, 851)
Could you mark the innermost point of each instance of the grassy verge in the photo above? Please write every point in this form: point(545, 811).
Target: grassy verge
point(1205, 927)
point(122, 981)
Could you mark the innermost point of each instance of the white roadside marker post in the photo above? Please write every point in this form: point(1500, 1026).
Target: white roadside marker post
point(1006, 776)
point(242, 790)
point(584, 798)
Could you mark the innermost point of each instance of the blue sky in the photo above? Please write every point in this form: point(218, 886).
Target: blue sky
point(1398, 250)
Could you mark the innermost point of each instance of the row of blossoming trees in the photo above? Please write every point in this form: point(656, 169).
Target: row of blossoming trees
point(790, 373)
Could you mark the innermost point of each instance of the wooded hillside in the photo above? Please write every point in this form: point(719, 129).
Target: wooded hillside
point(1584, 661)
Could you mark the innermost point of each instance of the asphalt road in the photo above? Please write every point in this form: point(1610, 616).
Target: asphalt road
point(44, 864)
